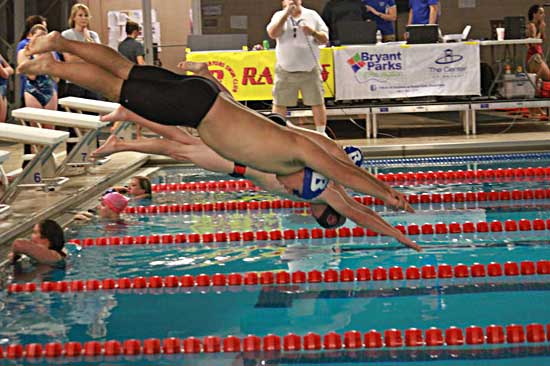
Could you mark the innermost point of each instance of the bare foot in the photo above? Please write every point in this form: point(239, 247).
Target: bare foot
point(119, 114)
point(39, 66)
point(198, 68)
point(109, 147)
point(43, 44)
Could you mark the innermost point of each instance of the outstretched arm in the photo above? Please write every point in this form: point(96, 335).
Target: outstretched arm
point(339, 200)
point(336, 151)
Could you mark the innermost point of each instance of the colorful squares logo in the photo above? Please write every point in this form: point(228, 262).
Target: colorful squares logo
point(356, 63)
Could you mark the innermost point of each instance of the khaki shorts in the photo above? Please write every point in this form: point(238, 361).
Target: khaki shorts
point(388, 38)
point(287, 84)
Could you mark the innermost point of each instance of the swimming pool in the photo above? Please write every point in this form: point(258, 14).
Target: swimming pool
point(183, 273)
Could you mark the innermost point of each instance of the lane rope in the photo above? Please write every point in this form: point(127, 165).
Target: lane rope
point(408, 178)
point(413, 198)
point(445, 160)
point(396, 273)
point(437, 338)
point(288, 235)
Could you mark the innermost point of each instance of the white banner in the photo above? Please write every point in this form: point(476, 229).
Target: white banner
point(404, 71)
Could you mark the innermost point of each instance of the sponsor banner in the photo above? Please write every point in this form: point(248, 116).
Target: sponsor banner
point(249, 75)
point(403, 71)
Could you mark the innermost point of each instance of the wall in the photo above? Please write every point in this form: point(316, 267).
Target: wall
point(259, 13)
point(173, 16)
point(453, 19)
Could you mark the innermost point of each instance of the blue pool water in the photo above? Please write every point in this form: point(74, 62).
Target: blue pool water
point(321, 308)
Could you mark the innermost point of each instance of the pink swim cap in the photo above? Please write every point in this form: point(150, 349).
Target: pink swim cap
point(115, 201)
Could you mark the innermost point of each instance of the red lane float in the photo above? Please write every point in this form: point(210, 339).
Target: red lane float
point(424, 198)
point(346, 275)
point(511, 334)
point(427, 229)
point(409, 178)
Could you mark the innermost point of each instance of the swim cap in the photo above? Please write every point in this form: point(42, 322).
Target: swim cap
point(330, 219)
point(115, 201)
point(354, 154)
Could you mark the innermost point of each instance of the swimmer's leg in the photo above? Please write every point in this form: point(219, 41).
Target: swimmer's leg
point(86, 75)
point(93, 53)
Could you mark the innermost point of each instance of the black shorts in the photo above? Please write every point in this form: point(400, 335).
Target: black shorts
point(168, 98)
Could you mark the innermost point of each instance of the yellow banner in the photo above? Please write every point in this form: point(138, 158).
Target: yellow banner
point(249, 75)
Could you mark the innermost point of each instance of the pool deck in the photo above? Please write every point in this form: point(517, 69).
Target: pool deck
point(33, 205)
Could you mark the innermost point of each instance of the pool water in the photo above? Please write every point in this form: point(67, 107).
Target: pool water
point(321, 308)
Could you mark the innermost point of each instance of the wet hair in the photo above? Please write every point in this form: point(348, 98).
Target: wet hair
point(277, 118)
point(323, 220)
point(38, 27)
point(144, 183)
point(74, 10)
point(30, 22)
point(131, 27)
point(532, 11)
point(49, 229)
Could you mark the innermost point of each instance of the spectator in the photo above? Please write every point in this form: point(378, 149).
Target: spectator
point(535, 56)
point(423, 12)
point(40, 90)
point(385, 14)
point(341, 10)
point(130, 47)
point(298, 31)
point(45, 247)
point(30, 22)
point(111, 205)
point(139, 188)
point(79, 22)
point(535, 61)
point(5, 72)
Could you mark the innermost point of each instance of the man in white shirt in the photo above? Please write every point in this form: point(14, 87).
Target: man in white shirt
point(299, 32)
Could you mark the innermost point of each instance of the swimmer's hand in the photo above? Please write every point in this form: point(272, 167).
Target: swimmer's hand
point(406, 241)
point(399, 201)
point(83, 216)
point(13, 257)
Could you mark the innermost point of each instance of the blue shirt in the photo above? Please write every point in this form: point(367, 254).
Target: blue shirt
point(421, 10)
point(385, 26)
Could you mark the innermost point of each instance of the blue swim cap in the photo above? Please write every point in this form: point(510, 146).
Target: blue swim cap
point(354, 154)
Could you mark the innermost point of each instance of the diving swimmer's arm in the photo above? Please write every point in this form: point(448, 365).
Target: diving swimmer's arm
point(398, 199)
point(339, 200)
